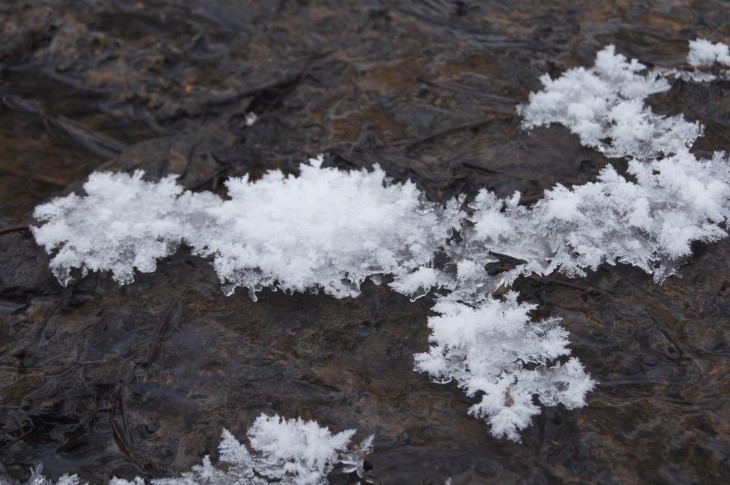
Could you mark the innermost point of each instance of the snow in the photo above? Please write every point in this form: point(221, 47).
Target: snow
point(486, 349)
point(649, 223)
point(702, 52)
point(121, 224)
point(604, 106)
point(327, 229)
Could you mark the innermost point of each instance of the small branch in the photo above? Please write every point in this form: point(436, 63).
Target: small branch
point(16, 228)
point(120, 440)
point(36, 177)
point(162, 324)
point(683, 67)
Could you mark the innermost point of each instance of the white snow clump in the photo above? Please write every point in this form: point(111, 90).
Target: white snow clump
point(122, 223)
point(486, 348)
point(325, 229)
point(702, 52)
point(650, 222)
point(604, 106)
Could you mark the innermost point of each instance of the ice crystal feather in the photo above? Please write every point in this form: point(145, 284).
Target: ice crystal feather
point(286, 451)
point(486, 348)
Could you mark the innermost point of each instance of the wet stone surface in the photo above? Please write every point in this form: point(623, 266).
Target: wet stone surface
point(139, 380)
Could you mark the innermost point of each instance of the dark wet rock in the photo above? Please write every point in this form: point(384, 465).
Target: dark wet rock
point(104, 381)
point(23, 262)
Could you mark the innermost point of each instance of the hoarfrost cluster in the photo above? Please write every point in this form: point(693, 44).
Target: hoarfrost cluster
point(284, 451)
point(329, 230)
point(488, 347)
point(325, 229)
point(702, 52)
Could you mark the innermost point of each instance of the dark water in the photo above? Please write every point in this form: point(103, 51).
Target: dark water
point(425, 88)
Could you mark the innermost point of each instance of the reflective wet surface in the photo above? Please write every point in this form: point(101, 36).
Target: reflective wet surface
point(139, 380)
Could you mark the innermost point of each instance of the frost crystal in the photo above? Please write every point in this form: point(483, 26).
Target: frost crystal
point(326, 229)
point(649, 223)
point(604, 106)
point(285, 451)
point(290, 451)
point(704, 53)
point(330, 230)
point(486, 349)
point(121, 224)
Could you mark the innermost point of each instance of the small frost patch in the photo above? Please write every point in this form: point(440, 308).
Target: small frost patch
point(604, 106)
point(284, 451)
point(486, 348)
point(702, 52)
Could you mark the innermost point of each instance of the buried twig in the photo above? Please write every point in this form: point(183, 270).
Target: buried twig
point(15, 228)
point(591, 290)
point(44, 179)
point(529, 199)
point(67, 293)
point(685, 67)
point(472, 126)
point(121, 441)
point(162, 324)
point(88, 138)
point(125, 423)
point(3, 470)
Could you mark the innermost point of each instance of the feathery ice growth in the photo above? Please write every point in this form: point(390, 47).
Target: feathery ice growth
point(284, 451)
point(329, 230)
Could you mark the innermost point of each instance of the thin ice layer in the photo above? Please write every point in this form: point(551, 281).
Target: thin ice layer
point(330, 229)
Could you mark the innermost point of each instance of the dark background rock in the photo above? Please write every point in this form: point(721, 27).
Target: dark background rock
point(426, 89)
